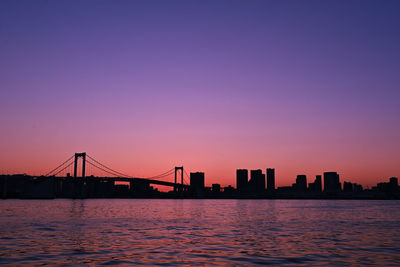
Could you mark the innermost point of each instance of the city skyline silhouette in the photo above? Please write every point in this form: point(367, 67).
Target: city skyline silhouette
point(80, 184)
point(100, 171)
point(211, 85)
point(199, 132)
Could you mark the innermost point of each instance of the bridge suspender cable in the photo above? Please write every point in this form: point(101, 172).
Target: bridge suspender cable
point(187, 175)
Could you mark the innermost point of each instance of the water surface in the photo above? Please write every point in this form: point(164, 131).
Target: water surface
point(199, 232)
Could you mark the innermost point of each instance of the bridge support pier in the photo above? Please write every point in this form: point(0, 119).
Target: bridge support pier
point(176, 171)
point(83, 156)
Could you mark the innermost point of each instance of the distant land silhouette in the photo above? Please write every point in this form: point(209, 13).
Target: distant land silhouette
point(259, 186)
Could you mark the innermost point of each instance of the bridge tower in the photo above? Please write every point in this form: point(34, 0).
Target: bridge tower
point(77, 156)
point(176, 171)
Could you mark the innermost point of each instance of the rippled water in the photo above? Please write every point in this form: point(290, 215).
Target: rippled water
point(192, 232)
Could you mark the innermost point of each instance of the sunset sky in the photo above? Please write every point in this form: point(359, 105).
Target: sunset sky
point(300, 86)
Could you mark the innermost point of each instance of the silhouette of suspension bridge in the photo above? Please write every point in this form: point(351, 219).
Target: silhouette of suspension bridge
point(117, 176)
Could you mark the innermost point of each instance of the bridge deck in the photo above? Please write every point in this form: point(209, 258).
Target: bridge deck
point(125, 179)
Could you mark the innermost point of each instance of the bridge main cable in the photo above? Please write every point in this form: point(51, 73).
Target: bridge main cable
point(169, 172)
point(59, 166)
point(162, 175)
point(105, 170)
point(63, 168)
point(117, 173)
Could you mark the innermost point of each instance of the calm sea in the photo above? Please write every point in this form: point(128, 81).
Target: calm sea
point(199, 232)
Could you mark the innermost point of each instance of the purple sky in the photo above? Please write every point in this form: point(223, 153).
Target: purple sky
point(302, 86)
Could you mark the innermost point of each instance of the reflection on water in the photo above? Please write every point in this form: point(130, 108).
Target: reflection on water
point(229, 232)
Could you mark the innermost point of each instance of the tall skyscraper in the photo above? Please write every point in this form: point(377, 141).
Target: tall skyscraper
point(331, 182)
point(257, 181)
point(242, 176)
point(301, 183)
point(318, 183)
point(270, 179)
point(197, 183)
point(262, 182)
point(316, 186)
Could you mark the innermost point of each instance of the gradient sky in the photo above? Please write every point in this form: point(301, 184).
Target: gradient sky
point(142, 86)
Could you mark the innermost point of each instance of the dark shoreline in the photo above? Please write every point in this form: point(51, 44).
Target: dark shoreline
point(44, 187)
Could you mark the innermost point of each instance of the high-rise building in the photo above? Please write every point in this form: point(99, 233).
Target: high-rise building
point(347, 187)
point(301, 183)
point(241, 179)
point(331, 182)
point(262, 182)
point(391, 186)
point(197, 183)
point(316, 186)
point(257, 181)
point(270, 179)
